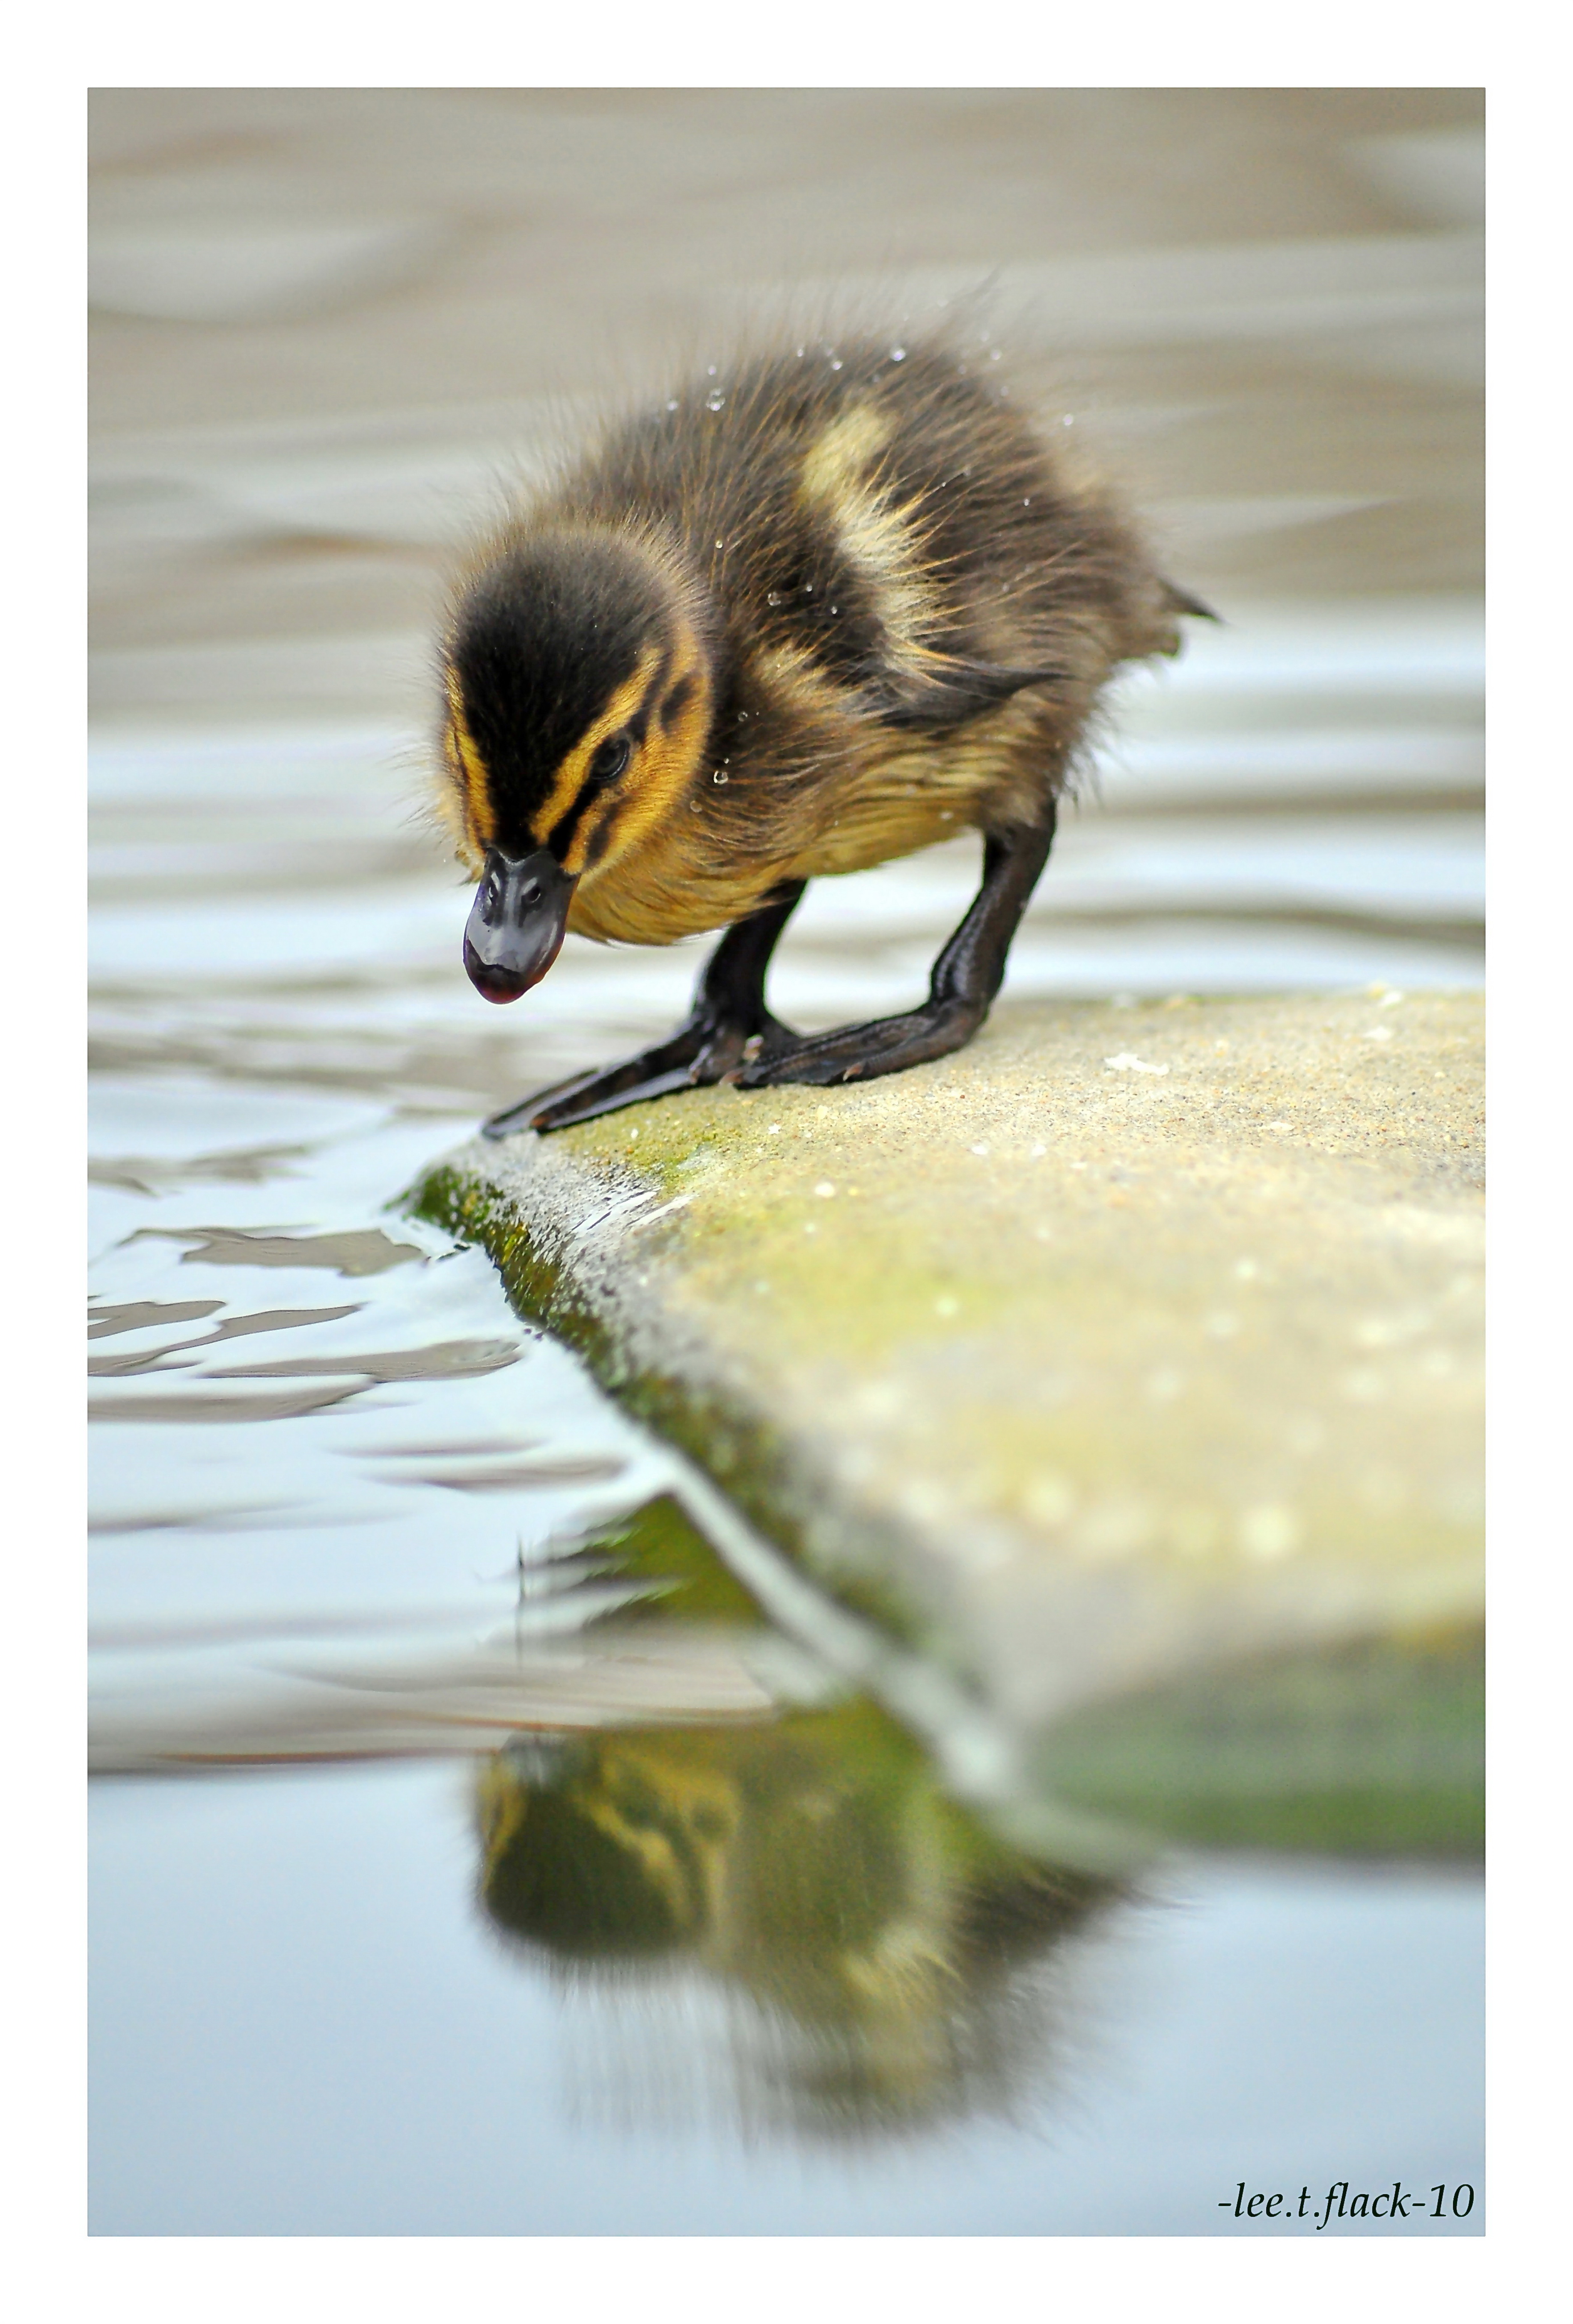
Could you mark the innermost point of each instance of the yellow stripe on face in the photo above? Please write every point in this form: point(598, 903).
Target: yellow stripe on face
point(469, 772)
point(663, 769)
point(569, 779)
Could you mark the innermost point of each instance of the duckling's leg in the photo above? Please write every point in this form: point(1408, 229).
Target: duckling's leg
point(965, 978)
point(730, 1023)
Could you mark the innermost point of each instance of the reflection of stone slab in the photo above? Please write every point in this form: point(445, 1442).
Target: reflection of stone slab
point(1133, 1341)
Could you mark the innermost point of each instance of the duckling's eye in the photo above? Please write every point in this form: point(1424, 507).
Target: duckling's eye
point(609, 758)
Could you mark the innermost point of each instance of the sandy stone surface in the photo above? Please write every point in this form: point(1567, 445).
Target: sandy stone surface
point(1132, 1341)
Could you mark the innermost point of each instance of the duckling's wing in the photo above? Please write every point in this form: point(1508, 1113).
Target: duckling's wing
point(949, 690)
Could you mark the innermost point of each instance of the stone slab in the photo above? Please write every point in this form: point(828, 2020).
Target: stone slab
point(1133, 1341)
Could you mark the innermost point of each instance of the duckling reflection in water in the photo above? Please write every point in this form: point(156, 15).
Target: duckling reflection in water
point(813, 1869)
point(820, 609)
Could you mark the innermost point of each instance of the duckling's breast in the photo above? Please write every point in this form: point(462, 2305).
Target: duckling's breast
point(680, 881)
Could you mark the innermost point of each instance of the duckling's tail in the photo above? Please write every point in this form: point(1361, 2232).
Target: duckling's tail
point(1181, 601)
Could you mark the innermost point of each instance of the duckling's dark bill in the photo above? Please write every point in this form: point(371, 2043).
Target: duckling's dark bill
point(728, 1027)
point(516, 923)
point(827, 606)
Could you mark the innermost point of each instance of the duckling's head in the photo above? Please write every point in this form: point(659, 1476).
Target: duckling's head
point(578, 671)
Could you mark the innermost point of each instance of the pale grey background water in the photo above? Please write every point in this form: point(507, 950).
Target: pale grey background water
point(299, 2029)
point(325, 325)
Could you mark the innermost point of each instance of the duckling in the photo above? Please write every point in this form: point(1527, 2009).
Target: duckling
point(822, 607)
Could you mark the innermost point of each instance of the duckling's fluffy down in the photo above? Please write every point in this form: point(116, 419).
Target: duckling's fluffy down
point(905, 603)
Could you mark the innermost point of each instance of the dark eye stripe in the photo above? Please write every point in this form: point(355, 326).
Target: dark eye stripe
point(674, 701)
point(599, 840)
point(560, 837)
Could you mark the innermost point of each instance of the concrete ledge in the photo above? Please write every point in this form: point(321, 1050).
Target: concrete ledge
point(1131, 1342)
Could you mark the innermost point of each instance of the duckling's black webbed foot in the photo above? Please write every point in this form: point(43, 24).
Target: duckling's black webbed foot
point(965, 978)
point(730, 1028)
point(889, 1045)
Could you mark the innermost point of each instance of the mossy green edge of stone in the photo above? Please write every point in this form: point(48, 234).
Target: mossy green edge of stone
point(1377, 1749)
point(659, 1547)
point(721, 1434)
